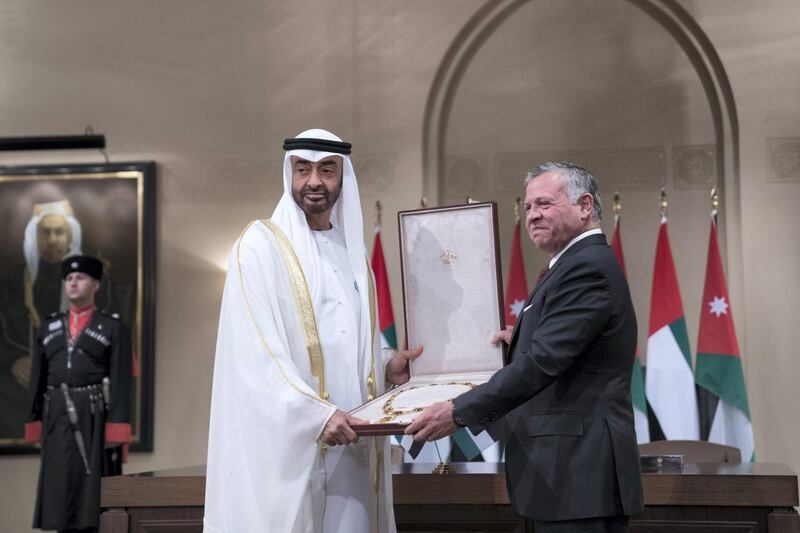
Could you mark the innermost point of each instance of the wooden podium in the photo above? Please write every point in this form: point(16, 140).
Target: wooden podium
point(703, 498)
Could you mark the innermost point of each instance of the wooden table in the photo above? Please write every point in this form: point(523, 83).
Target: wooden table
point(703, 498)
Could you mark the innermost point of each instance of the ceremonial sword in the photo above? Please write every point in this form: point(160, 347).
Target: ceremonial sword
point(72, 415)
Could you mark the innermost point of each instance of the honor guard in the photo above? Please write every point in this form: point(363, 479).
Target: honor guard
point(80, 384)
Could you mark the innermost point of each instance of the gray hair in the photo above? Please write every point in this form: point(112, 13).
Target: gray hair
point(576, 181)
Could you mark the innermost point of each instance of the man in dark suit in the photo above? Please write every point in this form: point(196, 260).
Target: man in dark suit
point(564, 399)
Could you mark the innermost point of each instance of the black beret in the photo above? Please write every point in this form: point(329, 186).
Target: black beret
point(82, 263)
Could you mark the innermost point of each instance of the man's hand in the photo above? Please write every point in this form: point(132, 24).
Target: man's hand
point(397, 371)
point(21, 370)
point(434, 423)
point(338, 430)
point(503, 335)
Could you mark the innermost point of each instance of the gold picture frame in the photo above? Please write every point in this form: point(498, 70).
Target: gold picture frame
point(107, 211)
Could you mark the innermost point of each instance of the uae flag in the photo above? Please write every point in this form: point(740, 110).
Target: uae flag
point(517, 288)
point(385, 313)
point(669, 383)
point(637, 380)
point(719, 365)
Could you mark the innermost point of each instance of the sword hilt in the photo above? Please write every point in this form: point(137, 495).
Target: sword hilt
point(107, 390)
point(72, 414)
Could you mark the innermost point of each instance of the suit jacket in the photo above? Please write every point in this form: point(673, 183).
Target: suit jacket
point(565, 396)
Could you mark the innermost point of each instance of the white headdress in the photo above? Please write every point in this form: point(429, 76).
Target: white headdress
point(30, 245)
point(346, 213)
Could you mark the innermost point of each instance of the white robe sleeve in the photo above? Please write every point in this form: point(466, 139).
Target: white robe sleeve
point(266, 414)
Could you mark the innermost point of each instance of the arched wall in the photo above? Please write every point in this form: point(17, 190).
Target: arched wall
point(687, 35)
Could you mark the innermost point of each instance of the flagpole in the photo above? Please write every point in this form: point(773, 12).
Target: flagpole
point(707, 401)
point(719, 371)
point(378, 211)
point(714, 205)
point(638, 399)
point(669, 378)
point(517, 206)
point(656, 432)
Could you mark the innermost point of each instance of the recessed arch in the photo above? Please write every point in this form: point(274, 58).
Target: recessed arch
point(690, 38)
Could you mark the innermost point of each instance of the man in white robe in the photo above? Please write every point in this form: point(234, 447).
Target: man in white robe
point(298, 346)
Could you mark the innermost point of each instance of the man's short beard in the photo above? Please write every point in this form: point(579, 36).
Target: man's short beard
point(316, 208)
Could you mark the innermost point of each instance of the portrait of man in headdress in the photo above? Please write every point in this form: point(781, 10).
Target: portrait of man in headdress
point(52, 234)
point(28, 295)
point(48, 214)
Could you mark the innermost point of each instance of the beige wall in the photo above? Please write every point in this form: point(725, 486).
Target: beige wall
point(208, 90)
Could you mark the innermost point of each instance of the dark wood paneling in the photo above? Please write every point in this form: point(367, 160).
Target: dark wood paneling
point(467, 518)
point(481, 489)
point(685, 526)
point(179, 487)
point(783, 521)
point(167, 520)
point(703, 498)
point(748, 485)
point(114, 521)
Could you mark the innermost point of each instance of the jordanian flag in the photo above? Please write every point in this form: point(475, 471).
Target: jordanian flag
point(669, 383)
point(719, 365)
point(517, 288)
point(385, 313)
point(637, 380)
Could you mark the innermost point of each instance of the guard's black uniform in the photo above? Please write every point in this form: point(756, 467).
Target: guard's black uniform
point(68, 497)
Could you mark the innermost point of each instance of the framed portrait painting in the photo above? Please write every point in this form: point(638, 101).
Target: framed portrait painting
point(46, 214)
